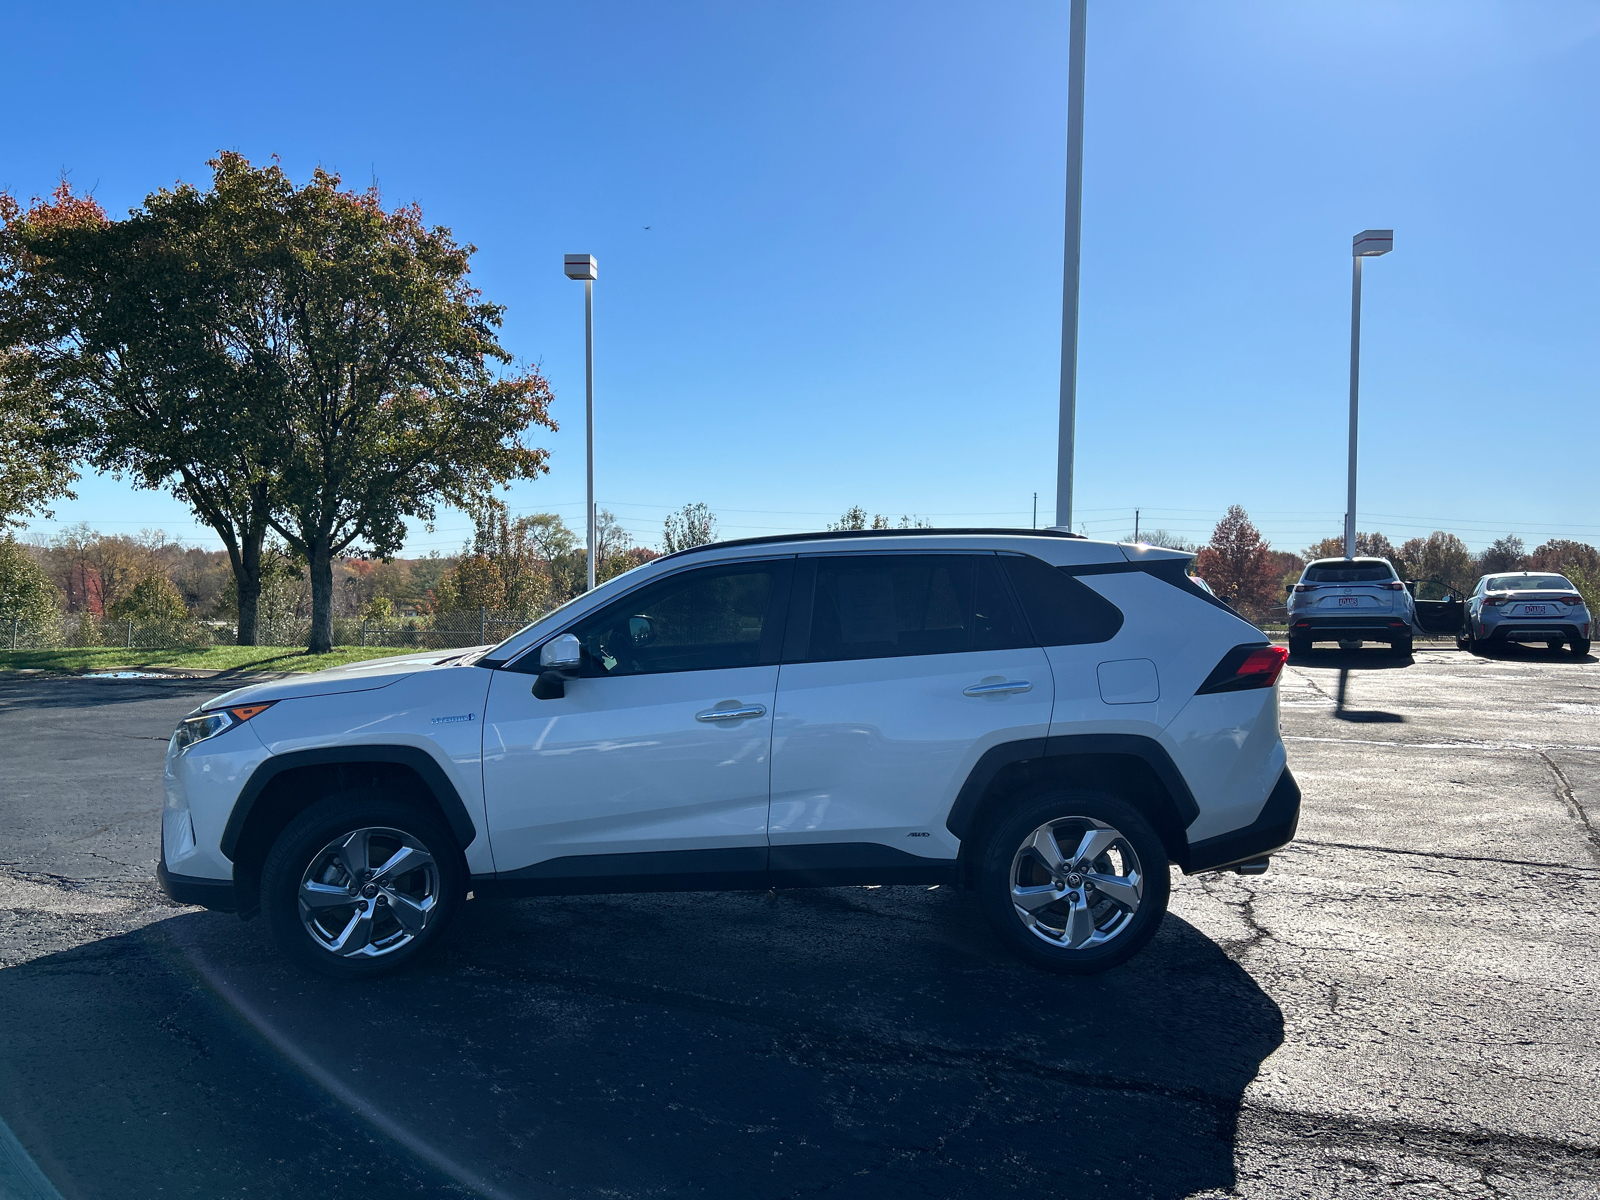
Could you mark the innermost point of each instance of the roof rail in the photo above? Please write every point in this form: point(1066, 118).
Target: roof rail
point(846, 534)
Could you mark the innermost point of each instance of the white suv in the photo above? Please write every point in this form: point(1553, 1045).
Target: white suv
point(1047, 720)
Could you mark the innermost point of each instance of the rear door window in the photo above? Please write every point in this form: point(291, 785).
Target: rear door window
point(898, 605)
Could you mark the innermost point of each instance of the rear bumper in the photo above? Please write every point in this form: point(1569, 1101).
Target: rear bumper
point(1379, 626)
point(1272, 830)
point(1533, 631)
point(216, 894)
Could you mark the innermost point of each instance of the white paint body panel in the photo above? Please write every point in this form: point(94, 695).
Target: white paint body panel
point(875, 750)
point(868, 750)
point(621, 765)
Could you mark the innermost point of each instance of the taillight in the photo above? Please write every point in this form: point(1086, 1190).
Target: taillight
point(1491, 601)
point(1244, 668)
point(1305, 587)
point(1394, 585)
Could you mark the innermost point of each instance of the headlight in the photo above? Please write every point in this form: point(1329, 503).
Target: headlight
point(207, 725)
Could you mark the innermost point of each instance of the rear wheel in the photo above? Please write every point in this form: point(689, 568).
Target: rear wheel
point(1579, 647)
point(1402, 646)
point(1299, 645)
point(359, 885)
point(1074, 881)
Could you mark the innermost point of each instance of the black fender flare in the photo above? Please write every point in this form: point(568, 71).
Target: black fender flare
point(997, 758)
point(420, 761)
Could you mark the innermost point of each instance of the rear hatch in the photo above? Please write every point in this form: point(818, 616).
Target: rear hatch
point(1349, 590)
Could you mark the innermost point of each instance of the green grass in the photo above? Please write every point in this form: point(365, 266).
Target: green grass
point(234, 659)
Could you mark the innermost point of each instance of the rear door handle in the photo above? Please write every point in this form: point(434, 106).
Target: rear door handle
point(732, 714)
point(998, 689)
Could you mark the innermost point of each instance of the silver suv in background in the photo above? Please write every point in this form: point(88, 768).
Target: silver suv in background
point(1525, 606)
point(1350, 601)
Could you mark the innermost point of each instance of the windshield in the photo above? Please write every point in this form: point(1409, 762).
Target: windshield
point(1529, 583)
point(1347, 572)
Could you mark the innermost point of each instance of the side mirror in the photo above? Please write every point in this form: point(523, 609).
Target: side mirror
point(641, 631)
point(561, 653)
point(559, 657)
point(1288, 589)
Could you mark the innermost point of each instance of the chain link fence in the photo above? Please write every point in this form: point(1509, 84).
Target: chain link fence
point(434, 631)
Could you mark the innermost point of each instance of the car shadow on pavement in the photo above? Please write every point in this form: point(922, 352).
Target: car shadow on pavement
point(848, 1042)
point(1518, 652)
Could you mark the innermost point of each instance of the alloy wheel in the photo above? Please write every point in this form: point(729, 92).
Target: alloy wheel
point(1076, 883)
point(369, 892)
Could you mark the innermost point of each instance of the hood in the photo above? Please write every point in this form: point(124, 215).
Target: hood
point(364, 676)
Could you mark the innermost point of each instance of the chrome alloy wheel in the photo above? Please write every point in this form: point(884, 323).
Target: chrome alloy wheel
point(368, 893)
point(1076, 882)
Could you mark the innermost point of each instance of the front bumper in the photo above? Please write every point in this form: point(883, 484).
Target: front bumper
point(1272, 830)
point(215, 894)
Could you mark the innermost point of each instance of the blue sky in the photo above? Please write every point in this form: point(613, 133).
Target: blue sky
point(849, 287)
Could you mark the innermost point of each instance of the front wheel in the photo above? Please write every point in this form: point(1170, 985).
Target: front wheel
point(359, 885)
point(1074, 881)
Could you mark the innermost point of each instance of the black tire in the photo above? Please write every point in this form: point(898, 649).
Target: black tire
point(1114, 933)
point(1463, 638)
point(429, 890)
point(1579, 647)
point(1403, 648)
point(1299, 647)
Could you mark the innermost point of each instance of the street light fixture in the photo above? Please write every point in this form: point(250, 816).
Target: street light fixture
point(1369, 243)
point(582, 266)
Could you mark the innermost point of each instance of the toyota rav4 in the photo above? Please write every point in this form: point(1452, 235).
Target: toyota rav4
point(1049, 721)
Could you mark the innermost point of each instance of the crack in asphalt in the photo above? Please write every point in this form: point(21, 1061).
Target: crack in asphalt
point(1586, 872)
point(1564, 790)
point(1453, 744)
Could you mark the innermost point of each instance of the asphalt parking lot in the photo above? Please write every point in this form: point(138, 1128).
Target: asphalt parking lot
point(1406, 1005)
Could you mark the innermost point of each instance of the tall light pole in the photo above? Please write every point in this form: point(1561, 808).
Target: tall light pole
point(582, 266)
point(1077, 27)
point(1369, 243)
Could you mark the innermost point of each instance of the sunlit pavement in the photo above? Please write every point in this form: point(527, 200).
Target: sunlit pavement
point(1405, 1005)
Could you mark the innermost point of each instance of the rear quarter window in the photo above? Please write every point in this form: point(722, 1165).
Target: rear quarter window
point(1061, 610)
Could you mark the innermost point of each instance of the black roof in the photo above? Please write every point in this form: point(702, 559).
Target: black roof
point(846, 534)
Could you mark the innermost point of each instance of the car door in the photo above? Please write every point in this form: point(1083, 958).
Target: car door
point(900, 670)
point(653, 769)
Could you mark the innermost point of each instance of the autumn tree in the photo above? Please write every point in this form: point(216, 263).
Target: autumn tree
point(388, 358)
point(26, 592)
point(1439, 563)
point(1368, 545)
point(1503, 554)
point(1560, 554)
point(37, 443)
point(152, 336)
point(693, 525)
point(1237, 563)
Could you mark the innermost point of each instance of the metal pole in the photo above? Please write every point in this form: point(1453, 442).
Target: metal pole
point(588, 367)
point(1069, 269)
point(1355, 391)
point(1136, 525)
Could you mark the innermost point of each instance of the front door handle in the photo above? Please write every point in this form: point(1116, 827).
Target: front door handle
point(1005, 687)
point(742, 713)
